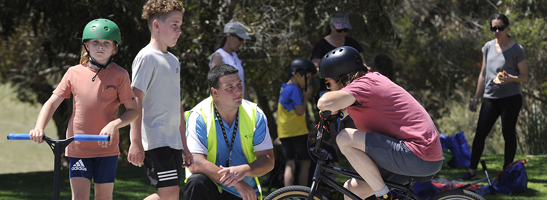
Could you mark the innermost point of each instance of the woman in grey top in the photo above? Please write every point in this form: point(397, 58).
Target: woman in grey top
point(503, 69)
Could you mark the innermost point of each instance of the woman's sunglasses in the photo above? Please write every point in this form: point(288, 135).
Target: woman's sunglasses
point(500, 28)
point(340, 30)
point(328, 82)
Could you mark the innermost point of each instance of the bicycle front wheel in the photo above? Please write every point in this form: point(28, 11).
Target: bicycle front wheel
point(293, 192)
point(456, 195)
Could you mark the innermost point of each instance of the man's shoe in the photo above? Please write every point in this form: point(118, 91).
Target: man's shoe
point(467, 176)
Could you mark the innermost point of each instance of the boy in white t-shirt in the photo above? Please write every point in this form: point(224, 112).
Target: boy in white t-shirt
point(157, 136)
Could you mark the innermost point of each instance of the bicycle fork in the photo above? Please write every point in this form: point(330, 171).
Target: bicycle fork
point(316, 179)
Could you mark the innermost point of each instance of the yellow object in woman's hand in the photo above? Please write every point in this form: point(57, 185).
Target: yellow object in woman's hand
point(499, 78)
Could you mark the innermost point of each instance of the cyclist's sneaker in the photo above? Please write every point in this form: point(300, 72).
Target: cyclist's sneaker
point(467, 176)
point(386, 196)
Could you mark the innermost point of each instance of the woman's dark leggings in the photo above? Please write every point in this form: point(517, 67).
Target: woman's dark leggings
point(491, 109)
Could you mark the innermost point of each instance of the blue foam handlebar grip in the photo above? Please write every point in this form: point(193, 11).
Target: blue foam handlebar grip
point(84, 137)
point(18, 136)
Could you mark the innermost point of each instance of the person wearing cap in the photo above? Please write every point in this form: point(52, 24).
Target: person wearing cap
point(98, 86)
point(235, 35)
point(337, 28)
point(292, 129)
point(394, 134)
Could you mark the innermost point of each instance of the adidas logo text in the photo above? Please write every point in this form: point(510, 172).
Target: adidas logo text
point(79, 166)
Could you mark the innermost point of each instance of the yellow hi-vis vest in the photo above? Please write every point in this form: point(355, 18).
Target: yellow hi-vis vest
point(247, 126)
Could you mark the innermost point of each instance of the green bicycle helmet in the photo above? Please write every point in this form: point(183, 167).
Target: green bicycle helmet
point(102, 29)
point(340, 61)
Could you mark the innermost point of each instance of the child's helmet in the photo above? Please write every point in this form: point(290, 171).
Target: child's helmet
point(102, 29)
point(301, 63)
point(340, 61)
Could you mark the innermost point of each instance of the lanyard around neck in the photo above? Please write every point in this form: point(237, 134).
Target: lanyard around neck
point(224, 133)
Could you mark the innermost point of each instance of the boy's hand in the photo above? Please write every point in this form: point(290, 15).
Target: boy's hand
point(135, 155)
point(309, 91)
point(110, 130)
point(187, 158)
point(36, 135)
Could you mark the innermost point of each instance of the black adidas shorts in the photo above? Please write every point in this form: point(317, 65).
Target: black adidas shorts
point(163, 166)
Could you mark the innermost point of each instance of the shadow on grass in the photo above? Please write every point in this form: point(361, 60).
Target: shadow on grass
point(523, 195)
point(131, 183)
point(32, 185)
point(537, 181)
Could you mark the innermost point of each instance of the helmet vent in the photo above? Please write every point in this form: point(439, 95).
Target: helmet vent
point(341, 49)
point(106, 28)
point(93, 28)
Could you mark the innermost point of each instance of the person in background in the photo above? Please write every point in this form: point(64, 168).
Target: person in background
point(383, 64)
point(235, 36)
point(503, 69)
point(98, 86)
point(292, 129)
point(337, 29)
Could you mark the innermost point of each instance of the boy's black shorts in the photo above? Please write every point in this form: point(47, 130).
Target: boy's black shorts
point(295, 146)
point(163, 166)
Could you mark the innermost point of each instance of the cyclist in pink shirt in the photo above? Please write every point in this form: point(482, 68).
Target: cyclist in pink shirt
point(394, 132)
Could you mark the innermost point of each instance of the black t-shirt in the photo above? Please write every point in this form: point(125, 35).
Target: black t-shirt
point(323, 47)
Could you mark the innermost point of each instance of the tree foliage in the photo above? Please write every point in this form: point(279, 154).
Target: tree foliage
point(435, 45)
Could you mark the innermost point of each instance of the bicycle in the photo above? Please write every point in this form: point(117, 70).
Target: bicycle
point(321, 170)
point(58, 148)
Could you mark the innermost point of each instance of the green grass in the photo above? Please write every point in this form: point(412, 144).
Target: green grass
point(132, 183)
point(537, 178)
point(26, 168)
point(17, 117)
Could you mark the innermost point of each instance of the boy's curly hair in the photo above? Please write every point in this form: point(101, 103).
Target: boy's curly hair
point(159, 9)
point(346, 79)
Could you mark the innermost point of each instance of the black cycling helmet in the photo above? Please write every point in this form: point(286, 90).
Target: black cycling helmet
point(340, 61)
point(301, 63)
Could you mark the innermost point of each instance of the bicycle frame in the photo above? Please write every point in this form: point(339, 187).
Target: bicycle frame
point(58, 148)
point(321, 167)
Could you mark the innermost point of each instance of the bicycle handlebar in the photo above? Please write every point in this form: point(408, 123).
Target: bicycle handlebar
point(326, 113)
point(81, 137)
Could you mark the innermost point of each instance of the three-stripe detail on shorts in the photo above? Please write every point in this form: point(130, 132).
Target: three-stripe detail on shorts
point(167, 175)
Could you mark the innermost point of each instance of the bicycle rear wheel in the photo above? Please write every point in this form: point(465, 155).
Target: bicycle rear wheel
point(456, 195)
point(293, 192)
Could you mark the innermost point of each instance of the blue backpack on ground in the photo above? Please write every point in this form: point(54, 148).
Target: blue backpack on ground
point(425, 190)
point(513, 179)
point(457, 144)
